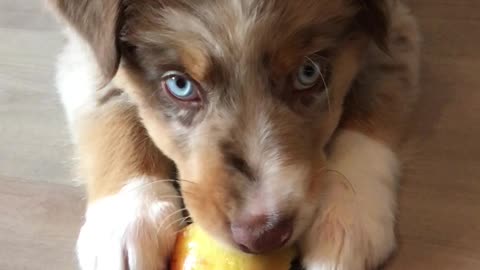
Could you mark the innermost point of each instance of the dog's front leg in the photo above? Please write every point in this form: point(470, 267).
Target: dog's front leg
point(134, 228)
point(355, 226)
point(354, 229)
point(133, 209)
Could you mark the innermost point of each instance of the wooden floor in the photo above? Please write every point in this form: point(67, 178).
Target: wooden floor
point(439, 221)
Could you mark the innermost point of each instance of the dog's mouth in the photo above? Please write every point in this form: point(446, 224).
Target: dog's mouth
point(264, 241)
point(249, 230)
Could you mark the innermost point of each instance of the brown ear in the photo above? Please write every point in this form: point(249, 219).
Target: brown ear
point(374, 19)
point(98, 22)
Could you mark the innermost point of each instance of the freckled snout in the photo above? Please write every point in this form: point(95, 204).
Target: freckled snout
point(260, 234)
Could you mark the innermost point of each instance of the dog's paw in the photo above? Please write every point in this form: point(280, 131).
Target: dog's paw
point(132, 230)
point(345, 238)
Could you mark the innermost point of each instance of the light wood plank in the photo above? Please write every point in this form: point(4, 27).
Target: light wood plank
point(38, 225)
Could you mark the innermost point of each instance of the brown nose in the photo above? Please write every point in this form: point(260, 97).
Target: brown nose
point(260, 234)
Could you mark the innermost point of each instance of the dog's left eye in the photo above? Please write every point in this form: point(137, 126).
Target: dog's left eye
point(180, 86)
point(308, 74)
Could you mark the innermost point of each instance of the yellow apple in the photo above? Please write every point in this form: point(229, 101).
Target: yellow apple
point(195, 250)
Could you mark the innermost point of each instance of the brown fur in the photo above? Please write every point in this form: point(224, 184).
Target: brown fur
point(243, 55)
point(389, 84)
point(238, 94)
point(114, 147)
point(101, 22)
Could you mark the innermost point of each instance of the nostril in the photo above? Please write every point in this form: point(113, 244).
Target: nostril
point(253, 236)
point(244, 236)
point(285, 232)
point(244, 248)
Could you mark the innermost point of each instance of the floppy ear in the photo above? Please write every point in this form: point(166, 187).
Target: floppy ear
point(98, 23)
point(374, 19)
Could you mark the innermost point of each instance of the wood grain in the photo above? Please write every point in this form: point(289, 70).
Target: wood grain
point(439, 219)
point(38, 224)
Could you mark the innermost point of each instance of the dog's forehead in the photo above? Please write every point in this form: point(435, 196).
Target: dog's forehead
point(238, 31)
point(241, 22)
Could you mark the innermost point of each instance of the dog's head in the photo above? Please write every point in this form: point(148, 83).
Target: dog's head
point(243, 95)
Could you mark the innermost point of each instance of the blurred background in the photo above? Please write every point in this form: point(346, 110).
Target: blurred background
point(41, 208)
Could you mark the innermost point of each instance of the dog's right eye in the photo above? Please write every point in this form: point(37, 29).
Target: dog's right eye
point(180, 86)
point(307, 76)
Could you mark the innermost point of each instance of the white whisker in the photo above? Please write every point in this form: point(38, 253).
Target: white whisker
point(169, 216)
point(319, 69)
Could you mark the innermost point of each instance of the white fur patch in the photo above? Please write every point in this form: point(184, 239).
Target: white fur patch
point(78, 77)
point(355, 227)
point(134, 229)
point(371, 168)
point(269, 197)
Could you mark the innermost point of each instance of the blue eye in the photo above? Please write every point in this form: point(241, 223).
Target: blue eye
point(308, 75)
point(180, 86)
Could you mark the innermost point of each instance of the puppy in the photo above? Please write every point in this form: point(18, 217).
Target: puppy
point(282, 117)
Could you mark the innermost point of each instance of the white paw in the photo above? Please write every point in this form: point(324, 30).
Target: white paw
point(355, 226)
point(347, 239)
point(132, 230)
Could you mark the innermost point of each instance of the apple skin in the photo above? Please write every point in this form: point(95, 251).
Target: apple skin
point(195, 250)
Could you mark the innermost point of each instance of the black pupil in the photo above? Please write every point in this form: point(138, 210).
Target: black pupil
point(181, 82)
point(309, 70)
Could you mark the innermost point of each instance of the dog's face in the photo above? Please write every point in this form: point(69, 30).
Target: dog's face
point(243, 95)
